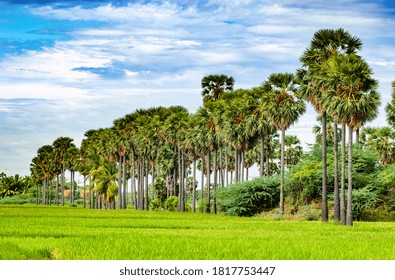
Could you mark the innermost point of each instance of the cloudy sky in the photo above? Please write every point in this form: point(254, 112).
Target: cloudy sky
point(70, 66)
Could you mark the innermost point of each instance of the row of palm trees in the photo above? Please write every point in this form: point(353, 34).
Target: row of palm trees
point(230, 132)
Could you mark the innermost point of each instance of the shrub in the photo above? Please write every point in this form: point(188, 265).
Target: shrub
point(156, 204)
point(251, 197)
point(171, 204)
point(363, 199)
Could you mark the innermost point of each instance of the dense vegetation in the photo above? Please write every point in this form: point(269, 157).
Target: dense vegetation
point(149, 158)
point(44, 232)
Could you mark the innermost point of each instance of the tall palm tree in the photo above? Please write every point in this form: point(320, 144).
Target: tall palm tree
point(352, 100)
point(62, 147)
point(325, 44)
point(214, 86)
point(283, 108)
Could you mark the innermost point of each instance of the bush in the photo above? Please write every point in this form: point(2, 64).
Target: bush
point(362, 200)
point(171, 204)
point(156, 204)
point(251, 197)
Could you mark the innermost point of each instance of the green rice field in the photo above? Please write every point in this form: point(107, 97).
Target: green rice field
point(69, 233)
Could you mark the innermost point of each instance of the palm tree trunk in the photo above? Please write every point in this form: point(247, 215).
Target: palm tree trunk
point(221, 169)
point(343, 169)
point(37, 195)
point(152, 180)
point(125, 184)
point(357, 136)
point(181, 202)
point(282, 210)
point(62, 184)
point(236, 165)
point(324, 206)
point(226, 167)
point(84, 203)
point(133, 183)
point(146, 196)
point(71, 186)
point(262, 156)
point(44, 190)
point(57, 190)
point(193, 186)
point(140, 183)
point(336, 174)
point(202, 181)
point(208, 183)
point(49, 192)
point(215, 182)
point(242, 165)
point(120, 182)
point(349, 195)
point(182, 185)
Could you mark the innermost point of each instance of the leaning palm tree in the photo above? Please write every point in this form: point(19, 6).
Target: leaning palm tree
point(283, 108)
point(352, 100)
point(214, 86)
point(325, 44)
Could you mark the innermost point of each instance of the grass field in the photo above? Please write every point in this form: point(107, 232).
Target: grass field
point(44, 232)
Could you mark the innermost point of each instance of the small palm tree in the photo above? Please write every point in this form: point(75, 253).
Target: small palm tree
point(104, 179)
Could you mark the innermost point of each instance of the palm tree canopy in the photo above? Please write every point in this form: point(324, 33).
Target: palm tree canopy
point(353, 98)
point(325, 44)
point(390, 108)
point(279, 101)
point(214, 86)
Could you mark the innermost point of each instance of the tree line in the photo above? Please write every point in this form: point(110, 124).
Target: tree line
point(156, 149)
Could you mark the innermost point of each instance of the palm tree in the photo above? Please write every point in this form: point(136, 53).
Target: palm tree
point(381, 140)
point(104, 178)
point(352, 99)
point(214, 86)
point(43, 167)
point(62, 146)
point(390, 108)
point(293, 150)
point(283, 108)
point(325, 44)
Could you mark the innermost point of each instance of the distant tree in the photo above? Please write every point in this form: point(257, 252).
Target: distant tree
point(214, 86)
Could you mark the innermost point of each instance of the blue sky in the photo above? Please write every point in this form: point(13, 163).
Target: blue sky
point(70, 66)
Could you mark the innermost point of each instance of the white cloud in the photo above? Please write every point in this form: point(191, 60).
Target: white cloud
point(145, 55)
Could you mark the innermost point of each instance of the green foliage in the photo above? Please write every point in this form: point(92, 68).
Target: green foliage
point(363, 199)
point(28, 197)
point(156, 204)
point(305, 181)
point(385, 184)
point(171, 204)
point(14, 185)
point(250, 197)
